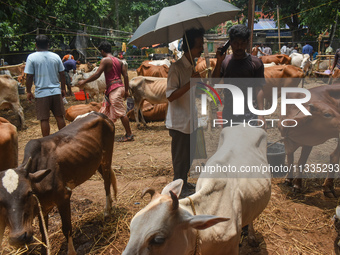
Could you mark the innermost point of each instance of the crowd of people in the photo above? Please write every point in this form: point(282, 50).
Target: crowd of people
point(261, 49)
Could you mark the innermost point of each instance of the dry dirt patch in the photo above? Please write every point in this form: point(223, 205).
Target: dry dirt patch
point(291, 224)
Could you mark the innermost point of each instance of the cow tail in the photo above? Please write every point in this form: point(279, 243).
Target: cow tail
point(114, 183)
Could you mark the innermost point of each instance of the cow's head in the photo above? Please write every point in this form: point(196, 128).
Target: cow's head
point(163, 227)
point(78, 76)
point(18, 206)
point(305, 63)
point(325, 114)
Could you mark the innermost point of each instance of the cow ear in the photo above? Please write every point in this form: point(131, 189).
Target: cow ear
point(154, 194)
point(201, 222)
point(175, 187)
point(39, 175)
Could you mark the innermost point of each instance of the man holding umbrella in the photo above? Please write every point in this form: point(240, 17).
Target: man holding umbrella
point(179, 121)
point(164, 27)
point(241, 65)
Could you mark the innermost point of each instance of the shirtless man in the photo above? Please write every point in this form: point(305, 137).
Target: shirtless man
point(256, 50)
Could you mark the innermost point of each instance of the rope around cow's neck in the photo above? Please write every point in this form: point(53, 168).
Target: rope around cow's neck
point(198, 238)
point(44, 226)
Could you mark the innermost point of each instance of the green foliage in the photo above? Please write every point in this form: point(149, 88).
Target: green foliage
point(296, 14)
point(150, 50)
point(316, 19)
point(133, 13)
point(20, 19)
point(6, 30)
point(63, 18)
point(132, 51)
point(229, 24)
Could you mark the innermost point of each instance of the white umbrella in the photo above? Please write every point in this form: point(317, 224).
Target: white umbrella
point(171, 22)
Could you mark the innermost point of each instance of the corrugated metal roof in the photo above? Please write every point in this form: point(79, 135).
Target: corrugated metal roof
point(266, 24)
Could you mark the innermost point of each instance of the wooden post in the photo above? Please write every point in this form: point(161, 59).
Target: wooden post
point(319, 44)
point(207, 59)
point(251, 11)
point(117, 16)
point(85, 56)
point(278, 26)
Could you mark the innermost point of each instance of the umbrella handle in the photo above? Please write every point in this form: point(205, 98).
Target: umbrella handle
point(192, 61)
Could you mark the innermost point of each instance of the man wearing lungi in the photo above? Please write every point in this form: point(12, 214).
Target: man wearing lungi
point(116, 92)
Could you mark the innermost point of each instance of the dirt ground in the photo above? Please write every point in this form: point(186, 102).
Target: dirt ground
point(291, 224)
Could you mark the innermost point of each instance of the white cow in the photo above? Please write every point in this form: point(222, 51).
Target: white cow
point(150, 88)
point(323, 64)
point(168, 226)
point(269, 65)
point(160, 62)
point(301, 60)
point(94, 88)
point(9, 97)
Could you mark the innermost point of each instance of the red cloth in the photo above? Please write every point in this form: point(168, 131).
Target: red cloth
point(112, 77)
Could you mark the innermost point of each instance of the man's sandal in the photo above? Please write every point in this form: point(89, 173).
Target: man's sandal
point(126, 138)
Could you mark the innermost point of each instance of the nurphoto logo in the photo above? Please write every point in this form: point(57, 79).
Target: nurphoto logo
point(239, 103)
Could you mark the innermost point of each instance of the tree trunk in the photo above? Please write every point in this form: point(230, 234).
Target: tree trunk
point(294, 26)
point(117, 14)
point(137, 21)
point(4, 46)
point(333, 30)
point(296, 34)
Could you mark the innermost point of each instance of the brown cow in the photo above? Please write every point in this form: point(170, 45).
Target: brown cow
point(73, 111)
point(52, 167)
point(201, 66)
point(279, 59)
point(280, 76)
point(335, 76)
point(156, 112)
point(150, 88)
point(312, 130)
point(8, 145)
point(149, 69)
point(9, 97)
point(86, 67)
point(15, 70)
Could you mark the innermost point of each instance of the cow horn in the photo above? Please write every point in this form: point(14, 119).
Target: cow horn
point(175, 202)
point(28, 165)
point(151, 191)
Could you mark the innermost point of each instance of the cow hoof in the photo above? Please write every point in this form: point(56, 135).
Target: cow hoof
point(329, 192)
point(296, 189)
point(288, 182)
point(107, 213)
point(252, 241)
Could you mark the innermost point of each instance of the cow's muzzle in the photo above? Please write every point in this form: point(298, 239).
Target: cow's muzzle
point(21, 239)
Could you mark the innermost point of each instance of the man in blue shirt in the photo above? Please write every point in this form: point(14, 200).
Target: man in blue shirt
point(307, 49)
point(69, 65)
point(44, 68)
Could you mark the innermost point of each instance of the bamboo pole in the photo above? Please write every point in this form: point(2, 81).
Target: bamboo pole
point(278, 26)
point(251, 11)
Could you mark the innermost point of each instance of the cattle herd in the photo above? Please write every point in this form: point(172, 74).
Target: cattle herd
point(54, 165)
